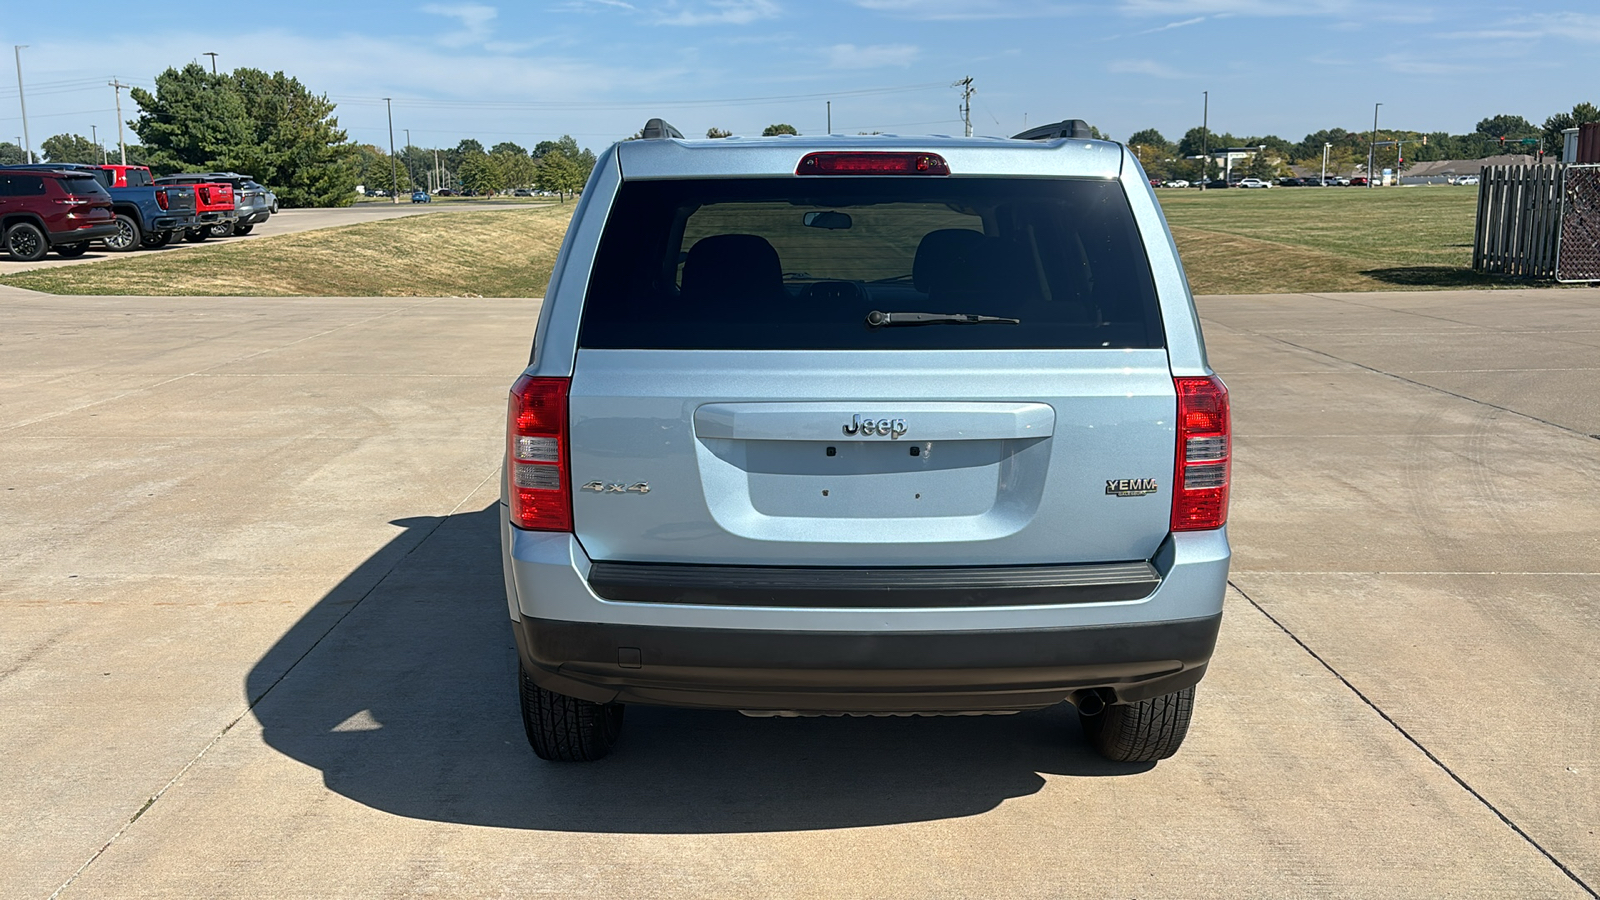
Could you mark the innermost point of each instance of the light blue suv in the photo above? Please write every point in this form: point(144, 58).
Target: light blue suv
point(866, 425)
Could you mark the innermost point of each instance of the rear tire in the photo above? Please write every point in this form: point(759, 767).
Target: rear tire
point(128, 236)
point(77, 248)
point(242, 230)
point(1146, 731)
point(222, 230)
point(25, 242)
point(196, 235)
point(156, 240)
point(566, 729)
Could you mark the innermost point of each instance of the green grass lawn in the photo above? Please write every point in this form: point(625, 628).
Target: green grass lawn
point(484, 253)
point(1232, 242)
point(1326, 239)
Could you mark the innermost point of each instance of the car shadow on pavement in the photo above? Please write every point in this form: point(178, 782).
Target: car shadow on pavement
point(399, 686)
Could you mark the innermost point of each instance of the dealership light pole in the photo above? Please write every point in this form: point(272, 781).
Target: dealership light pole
point(1372, 151)
point(1205, 141)
point(27, 147)
point(1325, 147)
point(116, 87)
point(394, 176)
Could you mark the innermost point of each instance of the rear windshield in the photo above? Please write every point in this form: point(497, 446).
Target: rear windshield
point(799, 263)
point(84, 184)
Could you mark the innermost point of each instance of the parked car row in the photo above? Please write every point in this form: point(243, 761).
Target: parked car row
point(66, 206)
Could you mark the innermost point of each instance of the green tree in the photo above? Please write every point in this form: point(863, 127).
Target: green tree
point(11, 154)
point(772, 130)
point(714, 132)
point(373, 171)
point(516, 167)
point(296, 145)
point(480, 172)
point(1150, 137)
point(268, 126)
point(194, 121)
point(557, 173)
point(1506, 126)
point(70, 148)
point(1581, 114)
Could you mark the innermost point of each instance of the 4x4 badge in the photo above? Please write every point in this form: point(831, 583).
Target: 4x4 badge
point(603, 487)
point(1130, 487)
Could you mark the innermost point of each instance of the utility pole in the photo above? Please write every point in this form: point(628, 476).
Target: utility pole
point(830, 117)
point(967, 90)
point(117, 87)
point(213, 60)
point(27, 147)
point(1372, 150)
point(394, 176)
point(1205, 140)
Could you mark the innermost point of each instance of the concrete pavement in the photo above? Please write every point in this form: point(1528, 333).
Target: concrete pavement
point(255, 638)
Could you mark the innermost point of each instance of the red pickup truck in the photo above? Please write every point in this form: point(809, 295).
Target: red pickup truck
point(213, 202)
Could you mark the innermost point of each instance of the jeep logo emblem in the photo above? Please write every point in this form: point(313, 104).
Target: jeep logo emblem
point(891, 428)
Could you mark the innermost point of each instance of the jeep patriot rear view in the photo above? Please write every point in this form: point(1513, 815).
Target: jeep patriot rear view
point(866, 425)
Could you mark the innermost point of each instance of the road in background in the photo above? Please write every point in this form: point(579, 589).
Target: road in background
point(256, 639)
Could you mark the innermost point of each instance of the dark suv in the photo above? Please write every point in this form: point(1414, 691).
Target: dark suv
point(41, 210)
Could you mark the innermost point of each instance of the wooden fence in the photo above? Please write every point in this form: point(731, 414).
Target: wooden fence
point(1519, 218)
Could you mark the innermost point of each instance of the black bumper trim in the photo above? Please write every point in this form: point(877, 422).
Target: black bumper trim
point(77, 235)
point(865, 671)
point(847, 588)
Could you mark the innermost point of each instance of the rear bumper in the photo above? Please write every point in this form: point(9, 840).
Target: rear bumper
point(255, 218)
point(89, 233)
point(863, 671)
point(173, 223)
point(681, 645)
point(215, 218)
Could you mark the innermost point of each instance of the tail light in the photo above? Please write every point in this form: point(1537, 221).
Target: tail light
point(161, 198)
point(1205, 455)
point(540, 480)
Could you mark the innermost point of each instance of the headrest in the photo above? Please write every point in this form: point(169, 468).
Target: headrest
point(728, 266)
point(951, 259)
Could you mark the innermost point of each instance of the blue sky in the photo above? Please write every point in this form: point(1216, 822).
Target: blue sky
point(598, 68)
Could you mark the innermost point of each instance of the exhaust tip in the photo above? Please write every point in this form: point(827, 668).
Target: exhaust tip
point(1089, 703)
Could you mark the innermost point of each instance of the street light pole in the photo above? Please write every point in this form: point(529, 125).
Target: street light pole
point(1325, 147)
point(1205, 140)
point(27, 145)
point(1372, 149)
point(213, 60)
point(394, 175)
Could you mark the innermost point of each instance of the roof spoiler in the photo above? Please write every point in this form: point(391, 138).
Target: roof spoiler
point(658, 129)
point(1066, 128)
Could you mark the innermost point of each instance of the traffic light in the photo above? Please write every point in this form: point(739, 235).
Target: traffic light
point(1502, 142)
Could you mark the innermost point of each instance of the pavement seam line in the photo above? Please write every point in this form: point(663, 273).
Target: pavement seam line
point(1412, 381)
point(1418, 744)
point(250, 703)
point(198, 372)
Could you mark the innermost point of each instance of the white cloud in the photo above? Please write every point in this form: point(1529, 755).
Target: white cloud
point(1584, 27)
point(475, 22)
point(849, 56)
point(1171, 25)
point(1144, 67)
point(958, 10)
point(1272, 8)
point(720, 12)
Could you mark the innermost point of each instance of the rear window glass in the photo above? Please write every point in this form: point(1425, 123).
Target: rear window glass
point(799, 263)
point(83, 184)
point(138, 178)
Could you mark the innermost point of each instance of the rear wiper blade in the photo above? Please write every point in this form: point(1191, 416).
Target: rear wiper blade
point(878, 319)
